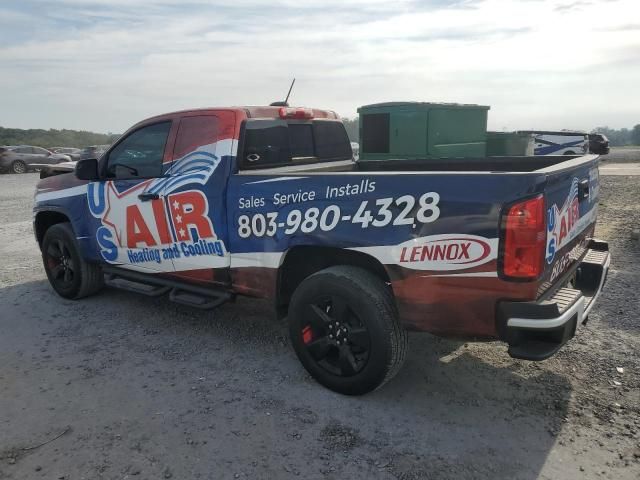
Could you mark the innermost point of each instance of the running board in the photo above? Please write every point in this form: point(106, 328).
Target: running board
point(186, 297)
point(154, 286)
point(136, 287)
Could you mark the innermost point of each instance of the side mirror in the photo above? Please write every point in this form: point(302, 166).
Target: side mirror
point(87, 169)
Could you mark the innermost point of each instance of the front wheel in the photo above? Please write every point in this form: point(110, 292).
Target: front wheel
point(19, 167)
point(344, 328)
point(69, 275)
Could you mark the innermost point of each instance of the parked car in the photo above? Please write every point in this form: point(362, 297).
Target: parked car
point(22, 158)
point(92, 151)
point(267, 202)
point(598, 144)
point(73, 153)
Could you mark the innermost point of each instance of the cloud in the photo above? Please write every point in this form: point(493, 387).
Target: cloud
point(627, 27)
point(572, 6)
point(105, 64)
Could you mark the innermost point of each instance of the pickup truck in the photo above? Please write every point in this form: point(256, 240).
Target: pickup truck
point(205, 205)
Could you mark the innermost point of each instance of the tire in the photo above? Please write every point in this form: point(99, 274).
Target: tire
point(570, 152)
point(344, 328)
point(19, 167)
point(69, 275)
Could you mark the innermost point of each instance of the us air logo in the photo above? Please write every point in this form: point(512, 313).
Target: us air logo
point(174, 226)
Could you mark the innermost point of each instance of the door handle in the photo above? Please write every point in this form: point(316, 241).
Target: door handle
point(146, 196)
point(583, 189)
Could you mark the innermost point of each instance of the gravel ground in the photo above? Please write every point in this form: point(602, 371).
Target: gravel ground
point(123, 386)
point(622, 155)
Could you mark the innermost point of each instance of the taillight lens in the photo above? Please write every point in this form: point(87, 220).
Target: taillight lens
point(524, 239)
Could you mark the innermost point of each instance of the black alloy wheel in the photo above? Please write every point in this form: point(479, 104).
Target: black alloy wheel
point(335, 337)
point(344, 328)
point(60, 264)
point(68, 273)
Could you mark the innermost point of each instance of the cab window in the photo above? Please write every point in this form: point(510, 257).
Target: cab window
point(140, 154)
point(195, 132)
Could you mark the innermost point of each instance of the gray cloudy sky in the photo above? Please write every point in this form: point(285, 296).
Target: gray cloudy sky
point(102, 65)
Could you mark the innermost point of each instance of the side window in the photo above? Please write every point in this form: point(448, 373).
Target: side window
point(24, 150)
point(40, 151)
point(266, 143)
point(195, 133)
point(140, 154)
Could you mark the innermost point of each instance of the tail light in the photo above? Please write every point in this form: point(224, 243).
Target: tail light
point(296, 113)
point(524, 239)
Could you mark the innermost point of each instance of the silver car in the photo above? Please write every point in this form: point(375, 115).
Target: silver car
point(22, 158)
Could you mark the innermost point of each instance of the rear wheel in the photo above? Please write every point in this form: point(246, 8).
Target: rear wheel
point(570, 152)
point(69, 275)
point(344, 328)
point(19, 167)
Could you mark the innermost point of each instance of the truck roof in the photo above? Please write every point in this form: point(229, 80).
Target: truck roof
point(252, 111)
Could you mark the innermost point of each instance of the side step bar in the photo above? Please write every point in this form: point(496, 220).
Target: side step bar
point(155, 286)
point(137, 287)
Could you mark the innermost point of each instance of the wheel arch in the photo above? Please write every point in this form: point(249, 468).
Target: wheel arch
point(302, 261)
point(45, 219)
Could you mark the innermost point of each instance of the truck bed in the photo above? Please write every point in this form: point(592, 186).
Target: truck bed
point(467, 164)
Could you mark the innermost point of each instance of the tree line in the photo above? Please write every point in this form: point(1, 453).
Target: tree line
point(77, 138)
point(622, 137)
point(352, 125)
point(54, 138)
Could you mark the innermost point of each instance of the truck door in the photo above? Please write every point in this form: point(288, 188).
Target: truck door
point(134, 230)
point(195, 193)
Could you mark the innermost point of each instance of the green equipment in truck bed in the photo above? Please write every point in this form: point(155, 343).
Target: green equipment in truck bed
point(417, 130)
point(510, 144)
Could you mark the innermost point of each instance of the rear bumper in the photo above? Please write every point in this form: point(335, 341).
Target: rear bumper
point(537, 330)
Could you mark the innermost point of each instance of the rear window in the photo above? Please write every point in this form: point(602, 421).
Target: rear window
point(301, 140)
point(278, 143)
point(332, 141)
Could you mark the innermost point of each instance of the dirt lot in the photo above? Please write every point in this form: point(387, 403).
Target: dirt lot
point(124, 386)
point(622, 155)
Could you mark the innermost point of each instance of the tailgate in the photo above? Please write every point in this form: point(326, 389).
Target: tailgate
point(571, 193)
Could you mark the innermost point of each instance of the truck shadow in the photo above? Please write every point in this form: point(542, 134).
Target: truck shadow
point(479, 413)
point(455, 410)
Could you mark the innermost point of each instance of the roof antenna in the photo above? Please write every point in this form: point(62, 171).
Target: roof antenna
point(286, 100)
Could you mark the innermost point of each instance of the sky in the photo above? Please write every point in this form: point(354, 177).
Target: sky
point(103, 65)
